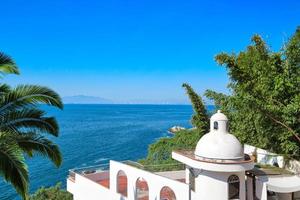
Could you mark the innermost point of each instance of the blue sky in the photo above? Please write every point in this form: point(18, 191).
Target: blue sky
point(135, 50)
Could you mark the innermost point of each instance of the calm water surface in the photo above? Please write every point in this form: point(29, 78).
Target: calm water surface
point(94, 134)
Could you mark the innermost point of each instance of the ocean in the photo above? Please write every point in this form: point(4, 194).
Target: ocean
point(94, 134)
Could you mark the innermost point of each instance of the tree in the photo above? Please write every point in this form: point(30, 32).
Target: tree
point(23, 126)
point(51, 193)
point(264, 104)
point(200, 117)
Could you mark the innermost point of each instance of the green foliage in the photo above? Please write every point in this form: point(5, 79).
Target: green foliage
point(12, 163)
point(159, 156)
point(22, 127)
point(264, 104)
point(200, 118)
point(51, 193)
point(7, 65)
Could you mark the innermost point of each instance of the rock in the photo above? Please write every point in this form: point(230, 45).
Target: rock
point(175, 129)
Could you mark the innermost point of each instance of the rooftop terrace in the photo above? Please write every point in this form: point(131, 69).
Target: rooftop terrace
point(100, 174)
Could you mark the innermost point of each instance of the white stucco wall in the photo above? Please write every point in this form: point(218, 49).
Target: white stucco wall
point(208, 185)
point(213, 185)
point(86, 189)
point(155, 182)
point(264, 156)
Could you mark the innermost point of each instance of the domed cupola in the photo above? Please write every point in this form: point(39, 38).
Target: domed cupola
point(219, 143)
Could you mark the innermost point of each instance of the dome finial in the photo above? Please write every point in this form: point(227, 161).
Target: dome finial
point(218, 122)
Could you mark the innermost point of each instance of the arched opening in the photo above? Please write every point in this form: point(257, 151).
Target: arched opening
point(227, 126)
point(233, 187)
point(122, 183)
point(142, 189)
point(167, 193)
point(216, 126)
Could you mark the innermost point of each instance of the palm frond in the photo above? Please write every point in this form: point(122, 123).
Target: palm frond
point(32, 143)
point(31, 119)
point(21, 123)
point(29, 95)
point(7, 65)
point(4, 88)
point(12, 165)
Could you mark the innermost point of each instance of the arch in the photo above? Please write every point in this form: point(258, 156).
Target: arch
point(122, 183)
point(216, 125)
point(166, 193)
point(233, 187)
point(142, 189)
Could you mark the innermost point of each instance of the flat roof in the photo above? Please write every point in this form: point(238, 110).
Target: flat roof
point(191, 155)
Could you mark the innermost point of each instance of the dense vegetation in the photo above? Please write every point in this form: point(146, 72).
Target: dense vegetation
point(24, 126)
point(51, 193)
point(263, 106)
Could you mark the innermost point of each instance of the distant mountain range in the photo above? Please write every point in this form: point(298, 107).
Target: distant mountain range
point(82, 99)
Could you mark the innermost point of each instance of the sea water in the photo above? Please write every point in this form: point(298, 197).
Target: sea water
point(94, 134)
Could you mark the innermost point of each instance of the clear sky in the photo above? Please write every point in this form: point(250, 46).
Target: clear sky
point(135, 50)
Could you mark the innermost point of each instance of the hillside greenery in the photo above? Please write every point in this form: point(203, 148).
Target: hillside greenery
point(51, 193)
point(159, 153)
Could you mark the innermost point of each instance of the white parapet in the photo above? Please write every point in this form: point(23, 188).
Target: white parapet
point(87, 187)
point(155, 182)
point(84, 188)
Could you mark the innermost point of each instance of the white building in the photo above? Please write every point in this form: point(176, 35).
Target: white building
point(217, 170)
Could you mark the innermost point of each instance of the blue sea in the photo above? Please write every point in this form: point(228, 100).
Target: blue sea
point(94, 134)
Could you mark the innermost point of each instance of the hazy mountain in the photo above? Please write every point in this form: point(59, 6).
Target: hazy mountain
point(82, 99)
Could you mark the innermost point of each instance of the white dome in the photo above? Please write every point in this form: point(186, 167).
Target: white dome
point(219, 146)
point(218, 143)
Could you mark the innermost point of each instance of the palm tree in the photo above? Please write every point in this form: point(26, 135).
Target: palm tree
point(23, 126)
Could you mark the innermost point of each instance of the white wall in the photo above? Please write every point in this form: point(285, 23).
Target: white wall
point(86, 189)
point(264, 156)
point(155, 182)
point(213, 185)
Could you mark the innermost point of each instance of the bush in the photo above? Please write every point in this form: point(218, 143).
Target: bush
point(51, 193)
point(159, 156)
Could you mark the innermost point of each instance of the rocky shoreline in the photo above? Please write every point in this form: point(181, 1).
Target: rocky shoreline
point(176, 129)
